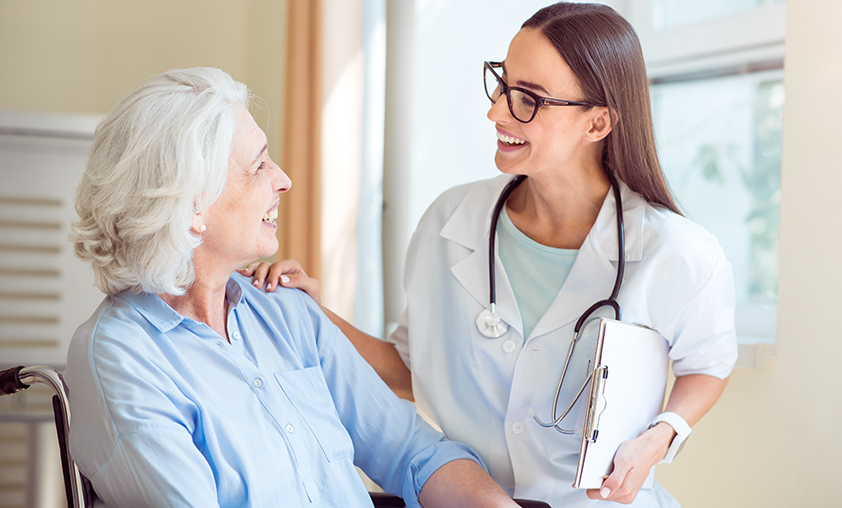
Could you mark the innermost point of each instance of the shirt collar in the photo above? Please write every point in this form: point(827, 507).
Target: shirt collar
point(234, 292)
point(165, 318)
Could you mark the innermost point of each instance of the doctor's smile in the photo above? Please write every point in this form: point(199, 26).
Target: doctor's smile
point(508, 142)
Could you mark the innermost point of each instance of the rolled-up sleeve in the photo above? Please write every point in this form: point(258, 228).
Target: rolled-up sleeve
point(393, 445)
point(703, 336)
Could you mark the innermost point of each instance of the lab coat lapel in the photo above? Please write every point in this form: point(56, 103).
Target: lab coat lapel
point(470, 226)
point(592, 277)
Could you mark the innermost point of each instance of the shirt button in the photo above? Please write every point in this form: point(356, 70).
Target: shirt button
point(518, 427)
point(236, 335)
point(290, 428)
point(258, 383)
point(509, 346)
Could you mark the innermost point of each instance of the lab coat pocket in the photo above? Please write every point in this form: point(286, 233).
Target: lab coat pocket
point(308, 392)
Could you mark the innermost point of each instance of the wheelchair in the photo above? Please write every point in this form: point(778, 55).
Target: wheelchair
point(78, 489)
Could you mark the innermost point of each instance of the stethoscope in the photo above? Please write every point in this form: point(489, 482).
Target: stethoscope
point(490, 325)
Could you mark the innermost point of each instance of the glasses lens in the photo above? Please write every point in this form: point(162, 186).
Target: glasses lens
point(492, 84)
point(522, 105)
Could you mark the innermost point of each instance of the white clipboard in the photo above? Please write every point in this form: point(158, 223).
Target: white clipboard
point(627, 391)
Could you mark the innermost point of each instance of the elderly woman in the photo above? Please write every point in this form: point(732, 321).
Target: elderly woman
point(190, 387)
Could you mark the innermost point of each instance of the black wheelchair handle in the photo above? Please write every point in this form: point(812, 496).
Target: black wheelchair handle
point(10, 381)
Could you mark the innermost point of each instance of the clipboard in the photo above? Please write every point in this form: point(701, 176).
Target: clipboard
point(627, 386)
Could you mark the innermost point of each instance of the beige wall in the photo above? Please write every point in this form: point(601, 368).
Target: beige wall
point(81, 56)
point(774, 438)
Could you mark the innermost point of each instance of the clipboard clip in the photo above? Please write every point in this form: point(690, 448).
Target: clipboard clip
point(597, 402)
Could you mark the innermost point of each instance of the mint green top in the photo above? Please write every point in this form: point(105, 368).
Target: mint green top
point(536, 272)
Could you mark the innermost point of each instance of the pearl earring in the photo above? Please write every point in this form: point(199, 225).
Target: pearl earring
point(202, 228)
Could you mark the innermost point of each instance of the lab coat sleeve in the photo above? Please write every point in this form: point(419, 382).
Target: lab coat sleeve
point(703, 338)
point(400, 339)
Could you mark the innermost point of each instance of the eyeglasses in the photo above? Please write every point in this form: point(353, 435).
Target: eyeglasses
point(523, 104)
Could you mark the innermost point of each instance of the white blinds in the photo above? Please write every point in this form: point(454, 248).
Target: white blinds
point(45, 292)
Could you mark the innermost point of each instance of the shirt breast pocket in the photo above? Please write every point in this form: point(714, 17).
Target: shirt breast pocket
point(308, 392)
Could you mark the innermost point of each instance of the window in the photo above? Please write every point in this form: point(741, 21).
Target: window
point(719, 142)
point(668, 14)
point(716, 70)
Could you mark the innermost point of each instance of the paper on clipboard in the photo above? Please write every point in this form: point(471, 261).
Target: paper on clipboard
point(626, 392)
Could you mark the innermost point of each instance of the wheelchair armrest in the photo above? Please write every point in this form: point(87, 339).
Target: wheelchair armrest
point(528, 503)
point(382, 500)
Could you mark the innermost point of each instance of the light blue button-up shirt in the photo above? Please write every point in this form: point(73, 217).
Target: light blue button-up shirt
point(165, 412)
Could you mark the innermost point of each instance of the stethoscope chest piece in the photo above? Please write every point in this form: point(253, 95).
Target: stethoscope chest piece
point(490, 325)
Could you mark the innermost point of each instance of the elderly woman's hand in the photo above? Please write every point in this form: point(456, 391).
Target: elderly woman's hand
point(287, 273)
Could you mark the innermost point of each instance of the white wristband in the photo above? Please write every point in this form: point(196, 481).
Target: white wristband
point(682, 431)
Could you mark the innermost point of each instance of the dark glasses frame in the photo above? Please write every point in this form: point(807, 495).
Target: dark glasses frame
point(506, 90)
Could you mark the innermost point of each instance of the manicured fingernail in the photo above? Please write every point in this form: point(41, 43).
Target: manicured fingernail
point(268, 285)
point(256, 284)
point(284, 279)
point(605, 492)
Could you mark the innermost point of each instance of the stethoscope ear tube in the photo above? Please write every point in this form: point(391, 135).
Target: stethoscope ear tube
point(621, 247)
point(489, 323)
point(593, 308)
point(621, 266)
point(495, 215)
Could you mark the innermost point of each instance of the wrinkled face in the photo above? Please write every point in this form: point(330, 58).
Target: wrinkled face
point(555, 136)
point(241, 224)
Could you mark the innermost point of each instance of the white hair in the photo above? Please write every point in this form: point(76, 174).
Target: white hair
point(158, 158)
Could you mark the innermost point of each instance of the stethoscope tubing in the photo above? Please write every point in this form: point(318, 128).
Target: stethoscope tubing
point(621, 267)
point(621, 249)
point(498, 207)
point(610, 302)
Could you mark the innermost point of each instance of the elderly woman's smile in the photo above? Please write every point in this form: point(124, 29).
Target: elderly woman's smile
point(271, 216)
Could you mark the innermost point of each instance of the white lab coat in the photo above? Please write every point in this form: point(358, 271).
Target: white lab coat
point(480, 390)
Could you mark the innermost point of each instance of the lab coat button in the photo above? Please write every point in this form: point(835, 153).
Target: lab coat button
point(236, 335)
point(518, 427)
point(509, 346)
point(290, 428)
point(258, 383)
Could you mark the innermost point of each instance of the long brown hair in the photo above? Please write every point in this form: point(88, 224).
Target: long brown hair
point(603, 51)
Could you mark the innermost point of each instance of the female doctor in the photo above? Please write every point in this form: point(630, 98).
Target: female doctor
point(571, 108)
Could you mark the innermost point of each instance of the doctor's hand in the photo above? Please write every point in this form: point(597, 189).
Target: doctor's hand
point(632, 463)
point(287, 273)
